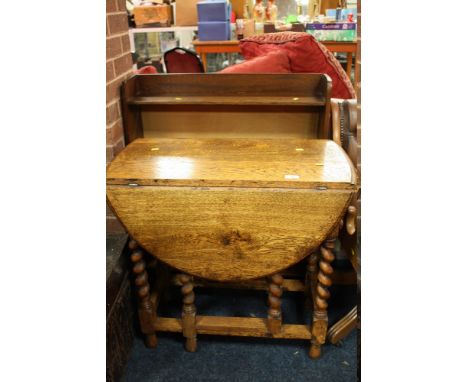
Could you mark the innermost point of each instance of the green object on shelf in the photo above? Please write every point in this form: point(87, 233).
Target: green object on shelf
point(332, 31)
point(291, 19)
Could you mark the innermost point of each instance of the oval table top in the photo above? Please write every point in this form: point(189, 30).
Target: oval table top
point(230, 209)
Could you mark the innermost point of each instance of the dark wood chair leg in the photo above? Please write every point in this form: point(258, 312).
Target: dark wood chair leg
point(274, 302)
point(146, 310)
point(343, 327)
point(320, 315)
point(189, 312)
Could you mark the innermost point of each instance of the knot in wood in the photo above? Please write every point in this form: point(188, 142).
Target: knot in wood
point(234, 237)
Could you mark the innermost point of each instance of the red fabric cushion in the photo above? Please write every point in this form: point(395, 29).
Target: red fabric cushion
point(274, 62)
point(306, 55)
point(149, 69)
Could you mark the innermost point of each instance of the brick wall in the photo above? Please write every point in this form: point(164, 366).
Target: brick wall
point(118, 68)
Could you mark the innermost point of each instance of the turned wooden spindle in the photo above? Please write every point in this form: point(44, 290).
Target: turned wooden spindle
point(311, 275)
point(189, 312)
point(320, 315)
point(274, 303)
point(146, 311)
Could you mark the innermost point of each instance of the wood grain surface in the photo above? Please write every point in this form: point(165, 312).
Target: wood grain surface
point(233, 162)
point(238, 85)
point(234, 326)
point(230, 209)
point(230, 121)
point(228, 234)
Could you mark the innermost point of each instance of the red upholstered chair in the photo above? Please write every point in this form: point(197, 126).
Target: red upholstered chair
point(272, 62)
point(180, 60)
point(306, 55)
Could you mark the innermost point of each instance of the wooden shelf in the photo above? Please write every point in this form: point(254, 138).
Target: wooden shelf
point(164, 29)
point(228, 100)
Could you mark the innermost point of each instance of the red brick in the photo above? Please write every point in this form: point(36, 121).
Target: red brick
point(117, 23)
point(113, 225)
point(121, 5)
point(112, 91)
point(111, 6)
point(118, 147)
point(125, 43)
point(109, 71)
point(109, 153)
point(117, 133)
point(107, 27)
point(109, 137)
point(112, 113)
point(113, 47)
point(123, 64)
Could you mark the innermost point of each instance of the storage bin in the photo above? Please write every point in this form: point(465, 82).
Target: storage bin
point(214, 30)
point(213, 10)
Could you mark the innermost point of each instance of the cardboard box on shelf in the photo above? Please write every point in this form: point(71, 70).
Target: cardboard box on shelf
point(245, 27)
point(186, 13)
point(160, 15)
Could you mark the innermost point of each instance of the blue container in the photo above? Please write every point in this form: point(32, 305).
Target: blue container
point(214, 30)
point(213, 10)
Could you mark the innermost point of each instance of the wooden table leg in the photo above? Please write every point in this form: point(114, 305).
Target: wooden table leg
point(274, 302)
point(204, 61)
point(146, 310)
point(189, 312)
point(320, 315)
point(311, 276)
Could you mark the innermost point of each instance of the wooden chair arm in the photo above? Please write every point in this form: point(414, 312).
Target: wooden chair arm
point(344, 133)
point(344, 125)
